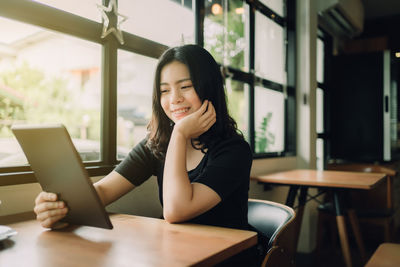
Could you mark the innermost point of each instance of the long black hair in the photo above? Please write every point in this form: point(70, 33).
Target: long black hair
point(208, 84)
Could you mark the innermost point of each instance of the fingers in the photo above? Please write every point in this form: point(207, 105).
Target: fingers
point(51, 215)
point(53, 222)
point(45, 206)
point(209, 117)
point(48, 210)
point(45, 196)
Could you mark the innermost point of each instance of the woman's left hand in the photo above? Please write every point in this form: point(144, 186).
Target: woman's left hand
point(197, 123)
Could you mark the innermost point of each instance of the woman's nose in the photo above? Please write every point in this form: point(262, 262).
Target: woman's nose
point(176, 96)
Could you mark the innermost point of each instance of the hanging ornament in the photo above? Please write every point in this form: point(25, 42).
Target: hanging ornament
point(107, 28)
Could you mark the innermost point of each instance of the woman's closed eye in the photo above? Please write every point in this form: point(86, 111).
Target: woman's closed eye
point(164, 90)
point(187, 86)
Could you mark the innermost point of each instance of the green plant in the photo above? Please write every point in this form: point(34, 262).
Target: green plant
point(264, 137)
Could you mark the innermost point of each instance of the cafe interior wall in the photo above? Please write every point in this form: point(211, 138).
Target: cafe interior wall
point(19, 199)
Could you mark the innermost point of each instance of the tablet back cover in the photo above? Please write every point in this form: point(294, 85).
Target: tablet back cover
point(59, 169)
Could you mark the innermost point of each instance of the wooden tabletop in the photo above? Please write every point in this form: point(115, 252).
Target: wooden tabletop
point(134, 241)
point(386, 255)
point(315, 178)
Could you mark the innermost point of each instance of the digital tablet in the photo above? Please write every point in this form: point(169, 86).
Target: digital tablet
point(59, 169)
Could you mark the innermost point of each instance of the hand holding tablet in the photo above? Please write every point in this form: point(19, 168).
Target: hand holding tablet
point(59, 169)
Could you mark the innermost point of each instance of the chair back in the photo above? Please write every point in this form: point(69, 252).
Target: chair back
point(274, 224)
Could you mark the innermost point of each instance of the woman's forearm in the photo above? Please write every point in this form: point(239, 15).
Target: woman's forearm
point(112, 187)
point(177, 189)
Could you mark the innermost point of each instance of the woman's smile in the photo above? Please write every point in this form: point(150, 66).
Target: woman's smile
point(180, 112)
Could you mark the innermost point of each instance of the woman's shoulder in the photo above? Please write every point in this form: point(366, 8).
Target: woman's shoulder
point(234, 144)
point(142, 150)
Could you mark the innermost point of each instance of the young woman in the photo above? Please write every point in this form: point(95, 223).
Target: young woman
point(193, 147)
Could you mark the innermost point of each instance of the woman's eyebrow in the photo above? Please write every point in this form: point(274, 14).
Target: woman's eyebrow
point(183, 80)
point(178, 81)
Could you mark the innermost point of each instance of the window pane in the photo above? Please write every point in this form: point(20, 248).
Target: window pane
point(135, 88)
point(84, 8)
point(47, 77)
point(238, 104)
point(320, 153)
point(275, 5)
point(163, 21)
point(320, 110)
point(269, 117)
point(269, 50)
point(225, 34)
point(320, 61)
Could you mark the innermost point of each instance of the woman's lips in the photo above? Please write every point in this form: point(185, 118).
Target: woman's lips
point(180, 112)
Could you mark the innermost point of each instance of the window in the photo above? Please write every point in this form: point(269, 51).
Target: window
point(269, 120)
point(48, 77)
point(269, 50)
point(238, 96)
point(61, 70)
point(135, 88)
point(164, 21)
point(225, 34)
point(323, 44)
point(250, 42)
point(85, 8)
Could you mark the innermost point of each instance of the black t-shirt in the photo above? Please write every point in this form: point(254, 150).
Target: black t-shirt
point(225, 168)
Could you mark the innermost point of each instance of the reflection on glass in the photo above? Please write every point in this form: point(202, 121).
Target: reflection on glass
point(135, 88)
point(164, 21)
point(269, 120)
point(269, 49)
point(320, 153)
point(238, 98)
point(47, 77)
point(275, 5)
point(320, 61)
point(320, 110)
point(84, 8)
point(225, 33)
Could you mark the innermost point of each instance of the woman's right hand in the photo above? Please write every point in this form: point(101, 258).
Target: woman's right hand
point(49, 211)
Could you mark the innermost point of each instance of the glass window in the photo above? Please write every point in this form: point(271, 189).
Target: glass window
point(84, 8)
point(225, 34)
point(275, 5)
point(135, 89)
point(269, 50)
point(269, 117)
point(164, 21)
point(320, 153)
point(238, 98)
point(320, 110)
point(320, 61)
point(47, 77)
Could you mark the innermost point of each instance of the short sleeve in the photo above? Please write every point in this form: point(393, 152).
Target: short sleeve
point(228, 168)
point(139, 165)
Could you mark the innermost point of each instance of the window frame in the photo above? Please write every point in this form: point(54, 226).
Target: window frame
point(66, 23)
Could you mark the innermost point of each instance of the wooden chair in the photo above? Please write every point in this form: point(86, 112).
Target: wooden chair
point(370, 206)
point(274, 223)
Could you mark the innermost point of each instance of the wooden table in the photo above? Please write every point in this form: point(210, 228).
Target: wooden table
point(134, 241)
point(338, 183)
point(386, 255)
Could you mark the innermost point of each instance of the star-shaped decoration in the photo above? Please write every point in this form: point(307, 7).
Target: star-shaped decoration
point(115, 29)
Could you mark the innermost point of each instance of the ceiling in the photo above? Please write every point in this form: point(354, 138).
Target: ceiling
point(380, 8)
